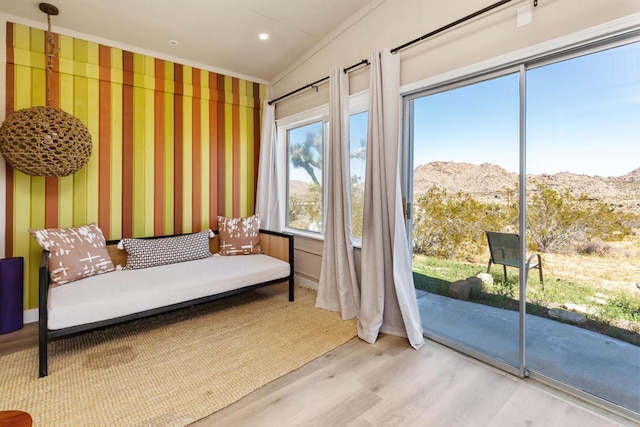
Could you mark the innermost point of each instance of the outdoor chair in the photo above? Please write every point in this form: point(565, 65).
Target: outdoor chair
point(505, 250)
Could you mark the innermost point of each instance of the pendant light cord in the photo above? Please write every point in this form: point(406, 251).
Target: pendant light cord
point(52, 49)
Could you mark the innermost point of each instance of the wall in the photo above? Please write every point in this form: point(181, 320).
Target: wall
point(390, 23)
point(174, 146)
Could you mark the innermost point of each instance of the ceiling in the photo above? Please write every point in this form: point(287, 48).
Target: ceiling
point(219, 34)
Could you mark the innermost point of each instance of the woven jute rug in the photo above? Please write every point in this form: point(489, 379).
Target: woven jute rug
point(172, 369)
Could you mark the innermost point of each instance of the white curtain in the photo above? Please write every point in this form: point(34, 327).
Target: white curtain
point(338, 287)
point(269, 198)
point(388, 302)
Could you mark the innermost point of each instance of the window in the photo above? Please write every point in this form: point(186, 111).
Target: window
point(549, 151)
point(358, 155)
point(305, 176)
point(306, 138)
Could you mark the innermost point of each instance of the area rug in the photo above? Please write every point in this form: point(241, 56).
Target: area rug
point(172, 369)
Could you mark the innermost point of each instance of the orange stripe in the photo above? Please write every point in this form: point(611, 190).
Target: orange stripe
point(104, 63)
point(257, 102)
point(177, 157)
point(158, 207)
point(221, 137)
point(235, 119)
point(127, 144)
point(213, 86)
point(127, 68)
point(104, 137)
point(54, 79)
point(56, 58)
point(220, 87)
point(10, 97)
point(51, 190)
point(51, 202)
point(196, 169)
point(213, 154)
point(235, 89)
point(159, 74)
point(10, 59)
point(221, 165)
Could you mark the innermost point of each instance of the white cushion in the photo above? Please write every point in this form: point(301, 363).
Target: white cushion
point(124, 292)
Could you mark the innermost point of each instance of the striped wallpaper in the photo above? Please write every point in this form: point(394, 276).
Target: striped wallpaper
point(173, 146)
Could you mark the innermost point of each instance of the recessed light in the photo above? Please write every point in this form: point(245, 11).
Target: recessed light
point(263, 36)
point(173, 42)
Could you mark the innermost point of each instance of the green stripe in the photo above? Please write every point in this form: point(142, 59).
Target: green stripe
point(168, 163)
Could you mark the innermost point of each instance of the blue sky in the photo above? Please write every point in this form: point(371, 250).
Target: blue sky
point(583, 116)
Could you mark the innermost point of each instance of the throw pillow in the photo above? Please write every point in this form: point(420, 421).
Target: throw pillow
point(74, 253)
point(143, 253)
point(239, 236)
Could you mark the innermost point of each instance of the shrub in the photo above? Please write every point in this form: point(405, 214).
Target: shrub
point(596, 248)
point(557, 221)
point(453, 225)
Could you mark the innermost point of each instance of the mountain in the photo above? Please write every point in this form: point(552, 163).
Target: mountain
point(487, 181)
point(633, 176)
point(458, 176)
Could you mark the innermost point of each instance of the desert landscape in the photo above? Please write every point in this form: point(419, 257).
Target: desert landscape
point(487, 181)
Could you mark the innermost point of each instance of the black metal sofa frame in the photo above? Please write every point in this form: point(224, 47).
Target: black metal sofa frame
point(284, 249)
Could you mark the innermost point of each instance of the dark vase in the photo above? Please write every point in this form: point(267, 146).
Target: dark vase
point(11, 291)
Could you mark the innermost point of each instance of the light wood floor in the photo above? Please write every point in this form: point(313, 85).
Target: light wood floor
point(391, 384)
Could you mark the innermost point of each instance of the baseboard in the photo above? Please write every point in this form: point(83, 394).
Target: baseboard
point(30, 316)
point(307, 283)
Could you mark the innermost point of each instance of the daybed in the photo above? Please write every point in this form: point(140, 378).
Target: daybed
point(123, 295)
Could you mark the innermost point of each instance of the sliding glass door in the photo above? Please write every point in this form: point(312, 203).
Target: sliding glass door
point(547, 156)
point(583, 216)
point(465, 166)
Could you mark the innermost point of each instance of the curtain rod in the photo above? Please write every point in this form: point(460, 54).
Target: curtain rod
point(346, 70)
point(453, 24)
point(403, 46)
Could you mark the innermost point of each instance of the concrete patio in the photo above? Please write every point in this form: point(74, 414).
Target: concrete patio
point(592, 362)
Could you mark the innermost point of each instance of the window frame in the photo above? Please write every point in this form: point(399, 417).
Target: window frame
point(599, 38)
point(358, 103)
point(283, 126)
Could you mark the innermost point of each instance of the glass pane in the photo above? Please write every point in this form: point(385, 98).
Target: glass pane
point(583, 164)
point(304, 177)
point(465, 171)
point(358, 154)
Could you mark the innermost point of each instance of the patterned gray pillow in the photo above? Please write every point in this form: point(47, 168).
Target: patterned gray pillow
point(143, 253)
point(74, 253)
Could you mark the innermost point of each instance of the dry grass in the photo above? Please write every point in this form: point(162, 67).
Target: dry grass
point(584, 280)
point(619, 271)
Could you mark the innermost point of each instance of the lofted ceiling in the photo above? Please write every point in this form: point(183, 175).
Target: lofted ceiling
point(220, 34)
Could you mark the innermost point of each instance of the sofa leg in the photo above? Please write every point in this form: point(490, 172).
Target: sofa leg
point(291, 289)
point(43, 351)
point(43, 359)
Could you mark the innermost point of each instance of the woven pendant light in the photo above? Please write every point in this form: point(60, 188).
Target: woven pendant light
point(45, 141)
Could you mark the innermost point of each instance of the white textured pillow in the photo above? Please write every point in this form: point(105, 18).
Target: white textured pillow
point(143, 253)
